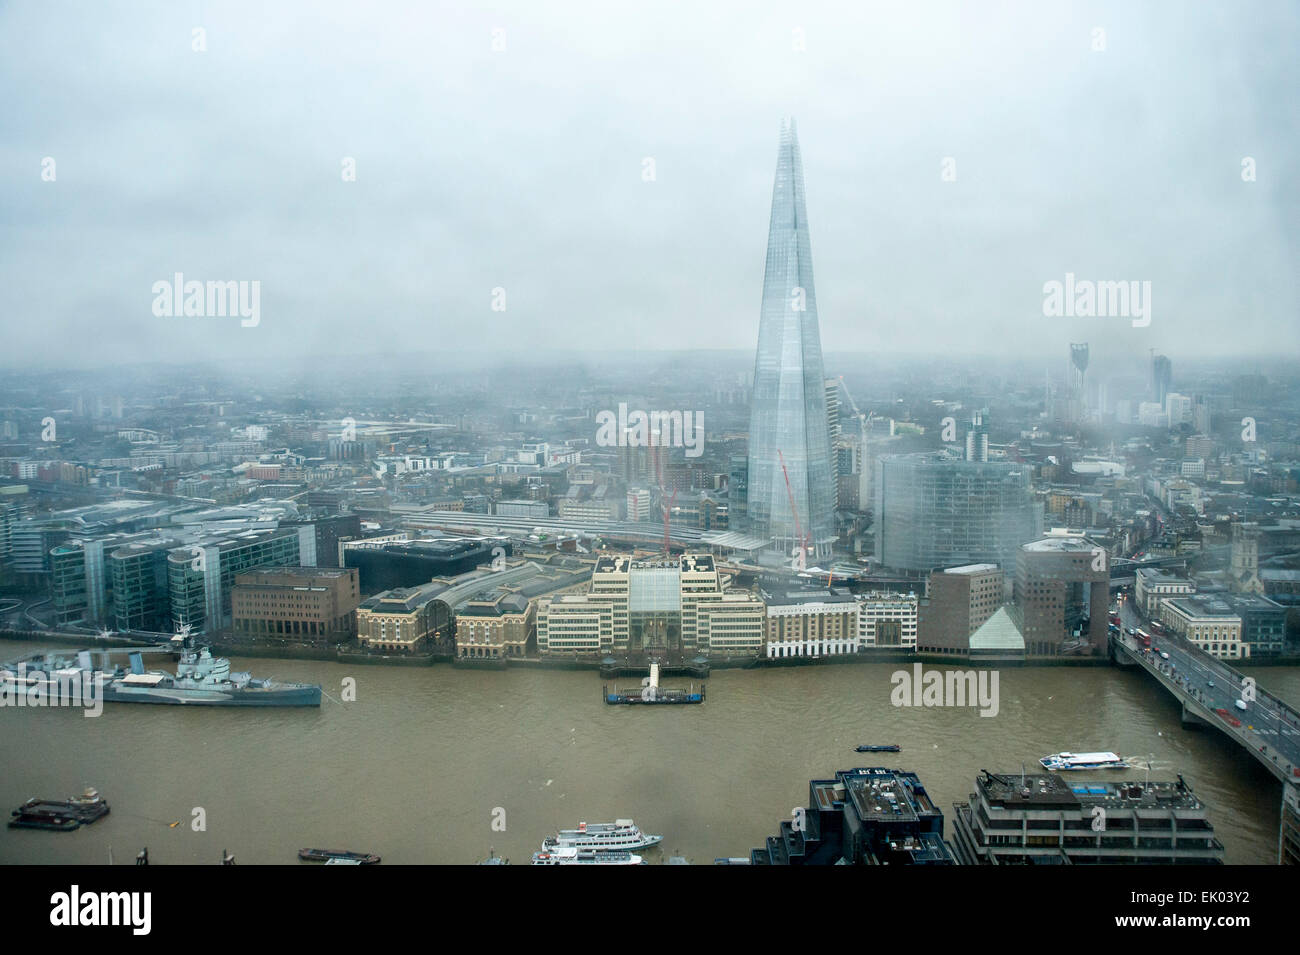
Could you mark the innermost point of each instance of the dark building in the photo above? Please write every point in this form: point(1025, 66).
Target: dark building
point(958, 602)
point(329, 531)
point(1041, 819)
point(870, 816)
point(1263, 623)
point(737, 491)
point(413, 563)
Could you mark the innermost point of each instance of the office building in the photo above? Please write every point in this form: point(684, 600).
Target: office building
point(932, 511)
point(638, 504)
point(1151, 585)
point(298, 604)
point(1207, 620)
point(137, 571)
point(811, 623)
point(1263, 623)
point(201, 574)
point(386, 565)
point(957, 603)
point(871, 816)
point(789, 432)
point(494, 625)
point(658, 605)
point(1045, 819)
point(403, 620)
point(887, 621)
point(1161, 379)
point(1062, 594)
point(977, 438)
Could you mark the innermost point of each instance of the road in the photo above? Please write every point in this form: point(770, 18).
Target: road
point(1267, 724)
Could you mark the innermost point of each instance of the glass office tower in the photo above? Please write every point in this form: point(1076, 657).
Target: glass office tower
point(788, 416)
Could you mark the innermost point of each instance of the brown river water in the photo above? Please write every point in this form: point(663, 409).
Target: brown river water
point(428, 764)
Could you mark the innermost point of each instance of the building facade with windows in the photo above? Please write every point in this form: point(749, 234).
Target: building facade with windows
point(296, 603)
point(1209, 622)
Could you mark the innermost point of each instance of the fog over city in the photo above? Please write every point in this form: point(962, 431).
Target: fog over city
point(383, 169)
point(688, 433)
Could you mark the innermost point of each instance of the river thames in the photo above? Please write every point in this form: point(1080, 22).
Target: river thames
point(426, 761)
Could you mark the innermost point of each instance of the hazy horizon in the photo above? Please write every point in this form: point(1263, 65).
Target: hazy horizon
point(1113, 156)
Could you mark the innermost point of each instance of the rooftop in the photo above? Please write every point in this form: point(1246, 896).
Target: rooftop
point(1060, 545)
point(971, 569)
point(1048, 790)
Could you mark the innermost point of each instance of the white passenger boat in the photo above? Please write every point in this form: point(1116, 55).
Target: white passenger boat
point(620, 835)
point(570, 855)
point(1062, 762)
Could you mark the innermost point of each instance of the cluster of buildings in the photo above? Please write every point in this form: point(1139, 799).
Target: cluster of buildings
point(880, 816)
point(1227, 613)
point(977, 517)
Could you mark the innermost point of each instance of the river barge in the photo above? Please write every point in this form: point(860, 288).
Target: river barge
point(61, 815)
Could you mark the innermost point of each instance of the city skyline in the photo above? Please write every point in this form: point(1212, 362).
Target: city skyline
point(386, 422)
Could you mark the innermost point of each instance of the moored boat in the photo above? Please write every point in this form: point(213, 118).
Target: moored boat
point(890, 748)
point(338, 856)
point(204, 680)
point(620, 835)
point(571, 855)
point(62, 815)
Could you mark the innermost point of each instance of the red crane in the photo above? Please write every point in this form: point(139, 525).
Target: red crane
point(798, 530)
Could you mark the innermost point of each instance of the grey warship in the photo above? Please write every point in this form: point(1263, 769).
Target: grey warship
point(204, 680)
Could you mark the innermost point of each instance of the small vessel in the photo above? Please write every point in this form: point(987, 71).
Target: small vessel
point(620, 835)
point(1076, 761)
point(889, 748)
point(62, 815)
point(571, 855)
point(338, 857)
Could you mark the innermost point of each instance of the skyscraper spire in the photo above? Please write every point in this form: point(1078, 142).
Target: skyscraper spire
point(788, 417)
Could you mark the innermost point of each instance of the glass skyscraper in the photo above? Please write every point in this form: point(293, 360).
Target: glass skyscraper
point(788, 417)
point(933, 511)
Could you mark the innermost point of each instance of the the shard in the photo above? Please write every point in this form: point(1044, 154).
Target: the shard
point(788, 419)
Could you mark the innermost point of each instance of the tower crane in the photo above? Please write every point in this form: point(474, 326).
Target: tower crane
point(798, 530)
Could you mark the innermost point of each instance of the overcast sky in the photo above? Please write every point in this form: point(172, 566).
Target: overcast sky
point(523, 169)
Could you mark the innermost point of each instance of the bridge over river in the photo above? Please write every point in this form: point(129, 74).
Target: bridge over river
point(1209, 690)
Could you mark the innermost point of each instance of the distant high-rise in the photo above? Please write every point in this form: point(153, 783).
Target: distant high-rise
point(788, 420)
point(1078, 396)
point(1161, 376)
point(977, 438)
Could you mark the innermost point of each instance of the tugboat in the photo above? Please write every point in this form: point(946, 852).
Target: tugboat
point(338, 857)
point(60, 815)
point(891, 748)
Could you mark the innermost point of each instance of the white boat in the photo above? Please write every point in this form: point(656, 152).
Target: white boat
point(571, 855)
point(1072, 761)
point(620, 835)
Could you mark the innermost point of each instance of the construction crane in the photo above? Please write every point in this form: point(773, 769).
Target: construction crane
point(798, 530)
point(863, 419)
